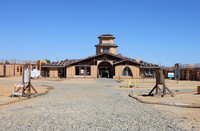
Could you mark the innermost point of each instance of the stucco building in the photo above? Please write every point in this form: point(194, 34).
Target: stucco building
point(106, 63)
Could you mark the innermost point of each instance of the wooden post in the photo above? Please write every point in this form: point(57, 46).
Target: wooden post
point(128, 83)
point(160, 79)
point(27, 86)
point(23, 83)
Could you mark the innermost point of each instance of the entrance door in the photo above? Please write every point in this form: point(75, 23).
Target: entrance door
point(105, 70)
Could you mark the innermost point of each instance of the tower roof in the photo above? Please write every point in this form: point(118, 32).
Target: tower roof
point(106, 36)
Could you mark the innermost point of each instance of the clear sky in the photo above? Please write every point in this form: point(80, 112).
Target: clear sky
point(157, 31)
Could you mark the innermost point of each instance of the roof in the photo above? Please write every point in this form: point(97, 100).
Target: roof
point(107, 44)
point(106, 35)
point(123, 58)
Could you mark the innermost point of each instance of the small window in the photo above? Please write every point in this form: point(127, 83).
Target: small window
point(104, 49)
point(108, 49)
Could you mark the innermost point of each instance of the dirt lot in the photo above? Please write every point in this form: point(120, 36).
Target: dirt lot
point(185, 93)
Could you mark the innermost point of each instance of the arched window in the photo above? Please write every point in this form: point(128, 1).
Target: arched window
point(127, 72)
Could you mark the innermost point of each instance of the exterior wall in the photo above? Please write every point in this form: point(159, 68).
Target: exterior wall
point(93, 71)
point(17, 70)
point(113, 50)
point(2, 70)
point(106, 41)
point(134, 69)
point(70, 72)
point(99, 50)
point(10, 70)
point(53, 72)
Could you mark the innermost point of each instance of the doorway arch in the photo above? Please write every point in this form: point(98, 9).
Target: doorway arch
point(105, 70)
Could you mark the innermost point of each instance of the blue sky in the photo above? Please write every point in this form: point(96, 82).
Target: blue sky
point(157, 31)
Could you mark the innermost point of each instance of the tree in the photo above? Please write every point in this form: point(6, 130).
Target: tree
point(7, 62)
point(48, 61)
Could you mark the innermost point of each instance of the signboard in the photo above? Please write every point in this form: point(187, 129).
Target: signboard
point(170, 75)
point(26, 75)
point(82, 71)
point(35, 73)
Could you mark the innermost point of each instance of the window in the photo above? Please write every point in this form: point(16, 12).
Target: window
point(88, 70)
point(149, 72)
point(17, 68)
point(83, 70)
point(127, 72)
point(106, 49)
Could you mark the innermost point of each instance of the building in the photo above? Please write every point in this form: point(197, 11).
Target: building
point(106, 63)
point(184, 72)
point(14, 67)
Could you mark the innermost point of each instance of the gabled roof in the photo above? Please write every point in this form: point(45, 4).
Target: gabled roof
point(107, 53)
point(122, 59)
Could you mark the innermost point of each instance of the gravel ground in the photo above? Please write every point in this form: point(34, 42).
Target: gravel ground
point(92, 105)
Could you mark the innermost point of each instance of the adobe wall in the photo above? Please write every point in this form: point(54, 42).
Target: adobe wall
point(70, 71)
point(113, 50)
point(94, 71)
point(1, 70)
point(10, 70)
point(134, 69)
point(106, 41)
point(53, 72)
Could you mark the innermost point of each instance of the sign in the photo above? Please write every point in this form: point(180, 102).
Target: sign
point(26, 75)
point(82, 71)
point(35, 73)
point(170, 75)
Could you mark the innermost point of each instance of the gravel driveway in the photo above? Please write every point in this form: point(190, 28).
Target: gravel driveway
point(91, 105)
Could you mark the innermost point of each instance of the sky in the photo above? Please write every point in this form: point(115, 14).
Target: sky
point(162, 32)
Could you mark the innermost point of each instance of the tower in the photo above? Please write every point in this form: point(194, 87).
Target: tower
point(106, 44)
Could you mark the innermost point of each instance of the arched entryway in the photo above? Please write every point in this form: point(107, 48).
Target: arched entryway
point(127, 72)
point(105, 70)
